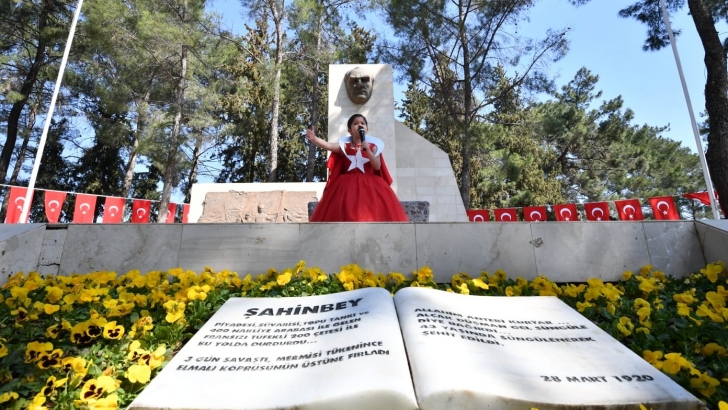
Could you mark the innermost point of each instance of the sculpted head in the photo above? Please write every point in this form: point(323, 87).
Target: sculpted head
point(359, 85)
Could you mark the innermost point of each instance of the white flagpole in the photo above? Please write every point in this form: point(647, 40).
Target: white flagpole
point(49, 116)
point(703, 163)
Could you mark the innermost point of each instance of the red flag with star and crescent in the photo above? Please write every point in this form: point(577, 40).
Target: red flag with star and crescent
point(140, 211)
point(506, 215)
point(171, 212)
point(83, 213)
point(478, 215)
point(566, 212)
point(629, 210)
point(534, 213)
point(53, 204)
point(185, 213)
point(703, 197)
point(663, 208)
point(113, 210)
point(597, 211)
point(15, 204)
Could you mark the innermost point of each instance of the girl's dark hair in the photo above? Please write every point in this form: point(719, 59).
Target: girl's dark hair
point(353, 117)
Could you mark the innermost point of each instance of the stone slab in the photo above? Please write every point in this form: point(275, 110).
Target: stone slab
point(120, 247)
point(20, 248)
point(521, 353)
point(8, 231)
point(243, 248)
point(449, 248)
point(261, 354)
point(721, 224)
point(380, 247)
point(714, 243)
point(52, 252)
point(674, 247)
point(566, 251)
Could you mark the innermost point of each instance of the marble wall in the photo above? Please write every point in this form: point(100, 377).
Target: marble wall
point(714, 239)
point(564, 252)
point(20, 248)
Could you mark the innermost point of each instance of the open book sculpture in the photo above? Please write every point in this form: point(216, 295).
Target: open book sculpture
point(423, 349)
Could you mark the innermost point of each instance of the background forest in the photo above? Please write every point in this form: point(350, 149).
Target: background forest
point(158, 95)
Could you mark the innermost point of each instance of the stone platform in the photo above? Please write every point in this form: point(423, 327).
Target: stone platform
point(564, 252)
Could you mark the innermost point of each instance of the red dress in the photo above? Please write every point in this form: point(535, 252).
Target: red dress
point(355, 196)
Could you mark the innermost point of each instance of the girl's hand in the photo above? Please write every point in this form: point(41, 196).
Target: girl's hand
point(366, 148)
point(311, 133)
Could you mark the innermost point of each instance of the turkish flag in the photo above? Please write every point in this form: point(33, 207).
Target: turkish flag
point(629, 210)
point(171, 212)
point(185, 212)
point(566, 213)
point(663, 208)
point(534, 213)
point(113, 210)
point(703, 197)
point(597, 211)
point(53, 203)
point(478, 215)
point(506, 215)
point(140, 211)
point(15, 204)
point(85, 207)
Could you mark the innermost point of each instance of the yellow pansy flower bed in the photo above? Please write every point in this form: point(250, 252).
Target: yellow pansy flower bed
point(94, 341)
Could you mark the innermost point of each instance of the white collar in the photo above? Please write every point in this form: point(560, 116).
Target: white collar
point(376, 141)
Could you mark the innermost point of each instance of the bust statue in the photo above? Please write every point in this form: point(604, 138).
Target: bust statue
point(359, 85)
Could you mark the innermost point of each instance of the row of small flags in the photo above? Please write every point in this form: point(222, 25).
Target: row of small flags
point(663, 208)
point(85, 205)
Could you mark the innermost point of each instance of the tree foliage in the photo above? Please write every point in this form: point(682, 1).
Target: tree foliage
point(157, 95)
point(705, 15)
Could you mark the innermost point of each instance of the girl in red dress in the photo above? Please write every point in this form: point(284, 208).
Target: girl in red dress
point(358, 189)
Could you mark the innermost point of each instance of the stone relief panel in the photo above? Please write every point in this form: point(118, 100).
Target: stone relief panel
point(257, 207)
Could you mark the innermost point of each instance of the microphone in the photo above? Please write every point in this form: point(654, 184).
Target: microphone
point(361, 133)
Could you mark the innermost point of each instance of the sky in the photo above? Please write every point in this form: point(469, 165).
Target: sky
point(610, 47)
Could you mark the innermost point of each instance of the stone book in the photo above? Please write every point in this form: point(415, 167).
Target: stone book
point(421, 349)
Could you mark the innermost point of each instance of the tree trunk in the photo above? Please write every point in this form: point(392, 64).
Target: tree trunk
point(171, 164)
point(277, 18)
point(311, 163)
point(21, 156)
point(716, 97)
point(140, 125)
point(467, 117)
point(193, 172)
point(25, 90)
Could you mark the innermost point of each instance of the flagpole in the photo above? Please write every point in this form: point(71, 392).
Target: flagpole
point(49, 116)
point(703, 163)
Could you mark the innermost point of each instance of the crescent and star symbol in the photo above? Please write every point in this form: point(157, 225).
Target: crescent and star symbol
point(357, 161)
point(50, 204)
point(22, 201)
point(667, 207)
point(562, 213)
point(87, 208)
point(478, 218)
point(140, 216)
point(626, 207)
point(593, 212)
point(112, 210)
point(538, 215)
point(503, 217)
